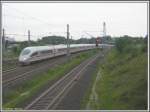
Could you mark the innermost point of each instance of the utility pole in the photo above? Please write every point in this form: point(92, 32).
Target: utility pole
point(68, 44)
point(3, 39)
point(104, 32)
point(29, 43)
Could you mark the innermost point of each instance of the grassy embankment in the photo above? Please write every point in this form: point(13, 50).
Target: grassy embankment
point(123, 77)
point(29, 88)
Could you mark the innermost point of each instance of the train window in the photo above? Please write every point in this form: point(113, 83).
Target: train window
point(47, 51)
point(63, 49)
point(34, 54)
point(25, 52)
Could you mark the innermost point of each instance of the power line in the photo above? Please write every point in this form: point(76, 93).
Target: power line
point(19, 35)
point(16, 17)
point(45, 34)
point(34, 18)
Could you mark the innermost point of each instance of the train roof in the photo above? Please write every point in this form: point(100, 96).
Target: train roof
point(50, 47)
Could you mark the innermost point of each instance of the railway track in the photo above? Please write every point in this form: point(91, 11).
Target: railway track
point(9, 64)
point(9, 70)
point(12, 78)
point(52, 96)
point(19, 74)
point(23, 68)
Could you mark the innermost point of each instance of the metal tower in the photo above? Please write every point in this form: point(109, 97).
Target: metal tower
point(104, 29)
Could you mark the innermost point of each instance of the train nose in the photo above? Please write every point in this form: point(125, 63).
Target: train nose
point(23, 58)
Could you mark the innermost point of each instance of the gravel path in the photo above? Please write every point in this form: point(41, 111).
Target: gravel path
point(93, 97)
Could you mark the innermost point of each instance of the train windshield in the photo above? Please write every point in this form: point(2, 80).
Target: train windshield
point(25, 52)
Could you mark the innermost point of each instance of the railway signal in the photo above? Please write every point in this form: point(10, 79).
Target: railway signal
point(98, 41)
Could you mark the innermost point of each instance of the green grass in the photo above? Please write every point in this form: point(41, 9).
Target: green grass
point(29, 88)
point(123, 82)
point(123, 79)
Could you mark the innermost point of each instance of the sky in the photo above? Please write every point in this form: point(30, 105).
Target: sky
point(43, 19)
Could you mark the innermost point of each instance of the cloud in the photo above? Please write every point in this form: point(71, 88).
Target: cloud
point(42, 18)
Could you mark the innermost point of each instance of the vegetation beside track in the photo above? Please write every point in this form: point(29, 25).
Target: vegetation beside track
point(29, 88)
point(123, 77)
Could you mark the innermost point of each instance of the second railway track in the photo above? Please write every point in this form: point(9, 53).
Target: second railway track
point(50, 98)
point(23, 73)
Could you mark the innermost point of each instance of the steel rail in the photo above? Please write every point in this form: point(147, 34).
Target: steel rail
point(22, 76)
point(49, 98)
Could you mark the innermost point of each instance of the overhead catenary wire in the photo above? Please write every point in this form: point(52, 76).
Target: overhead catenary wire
point(20, 35)
point(32, 17)
point(39, 35)
point(35, 18)
point(25, 15)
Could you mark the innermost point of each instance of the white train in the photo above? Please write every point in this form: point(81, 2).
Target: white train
point(36, 53)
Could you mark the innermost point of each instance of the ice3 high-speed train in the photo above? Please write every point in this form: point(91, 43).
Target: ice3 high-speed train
point(36, 53)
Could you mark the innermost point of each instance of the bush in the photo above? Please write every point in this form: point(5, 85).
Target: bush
point(122, 44)
point(130, 45)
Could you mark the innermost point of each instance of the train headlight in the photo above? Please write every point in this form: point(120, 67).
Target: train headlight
point(24, 58)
